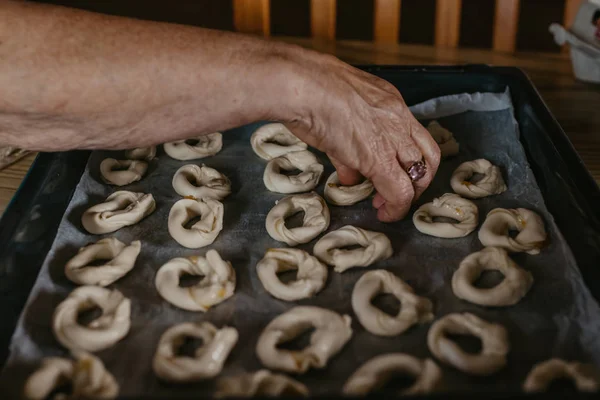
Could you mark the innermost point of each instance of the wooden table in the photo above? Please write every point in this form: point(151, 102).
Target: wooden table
point(574, 104)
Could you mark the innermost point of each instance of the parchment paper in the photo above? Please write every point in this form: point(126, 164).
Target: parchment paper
point(557, 318)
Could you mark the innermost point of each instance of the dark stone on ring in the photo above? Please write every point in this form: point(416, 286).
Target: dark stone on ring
point(417, 170)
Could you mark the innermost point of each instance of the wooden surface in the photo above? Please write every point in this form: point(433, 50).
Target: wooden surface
point(573, 103)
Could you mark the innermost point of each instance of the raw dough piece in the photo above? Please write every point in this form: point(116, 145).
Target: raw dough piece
point(216, 286)
point(307, 179)
point(103, 332)
point(339, 195)
point(375, 247)
point(444, 138)
point(119, 257)
point(141, 153)
point(310, 279)
point(413, 309)
point(492, 182)
point(584, 377)
point(450, 205)
point(207, 145)
point(514, 286)
point(203, 232)
point(120, 209)
point(113, 172)
point(274, 140)
point(379, 370)
point(88, 377)
point(316, 218)
point(495, 231)
point(208, 359)
point(494, 340)
point(201, 182)
point(260, 383)
point(331, 333)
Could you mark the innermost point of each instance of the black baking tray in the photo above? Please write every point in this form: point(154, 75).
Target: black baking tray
point(30, 223)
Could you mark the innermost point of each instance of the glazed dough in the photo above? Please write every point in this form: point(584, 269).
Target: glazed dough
point(208, 145)
point(450, 205)
point(494, 339)
point(310, 279)
point(103, 332)
point(120, 209)
point(203, 232)
point(375, 247)
point(444, 138)
point(331, 333)
point(492, 182)
point(119, 257)
point(141, 153)
point(339, 195)
point(379, 370)
point(113, 172)
point(86, 373)
point(208, 359)
point(307, 179)
point(201, 182)
point(261, 383)
point(499, 222)
point(274, 140)
point(316, 218)
point(217, 284)
point(413, 309)
point(585, 377)
point(514, 286)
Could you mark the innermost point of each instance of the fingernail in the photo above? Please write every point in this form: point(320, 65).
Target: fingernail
point(378, 201)
point(384, 216)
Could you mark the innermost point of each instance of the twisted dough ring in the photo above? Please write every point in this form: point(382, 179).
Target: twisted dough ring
point(217, 284)
point(307, 179)
point(86, 373)
point(103, 332)
point(316, 218)
point(120, 209)
point(120, 260)
point(339, 195)
point(541, 375)
point(260, 383)
point(495, 231)
point(332, 331)
point(376, 372)
point(274, 140)
point(141, 153)
point(450, 205)
point(375, 247)
point(203, 232)
point(310, 279)
point(207, 145)
point(413, 309)
point(492, 182)
point(201, 182)
point(494, 339)
point(514, 286)
point(208, 359)
point(444, 138)
point(113, 172)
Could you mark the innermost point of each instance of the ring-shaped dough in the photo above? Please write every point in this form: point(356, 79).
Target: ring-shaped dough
point(316, 218)
point(88, 377)
point(494, 340)
point(492, 182)
point(495, 230)
point(141, 153)
point(375, 247)
point(379, 370)
point(208, 359)
point(444, 138)
point(122, 172)
point(514, 286)
point(207, 145)
point(310, 279)
point(119, 257)
point(201, 182)
point(203, 232)
point(216, 286)
point(331, 333)
point(339, 195)
point(413, 309)
point(449, 205)
point(260, 383)
point(103, 332)
point(120, 209)
point(307, 179)
point(274, 140)
point(584, 377)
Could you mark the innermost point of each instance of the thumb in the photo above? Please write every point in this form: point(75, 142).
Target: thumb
point(346, 175)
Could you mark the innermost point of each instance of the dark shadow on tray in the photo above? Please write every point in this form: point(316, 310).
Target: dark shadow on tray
point(56, 267)
point(38, 319)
